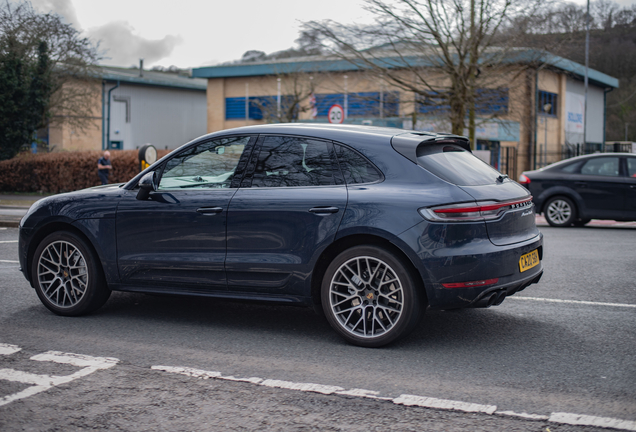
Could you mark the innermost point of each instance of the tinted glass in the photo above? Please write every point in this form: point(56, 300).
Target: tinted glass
point(631, 167)
point(207, 165)
point(604, 166)
point(571, 168)
point(456, 165)
point(355, 167)
point(291, 161)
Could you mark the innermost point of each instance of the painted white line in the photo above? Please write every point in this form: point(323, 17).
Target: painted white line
point(2, 229)
point(523, 415)
point(428, 402)
point(8, 349)
point(572, 301)
point(409, 400)
point(308, 387)
point(10, 261)
point(604, 422)
point(8, 241)
point(44, 382)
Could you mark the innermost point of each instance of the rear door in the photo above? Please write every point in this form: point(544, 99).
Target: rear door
point(600, 185)
point(630, 201)
point(287, 210)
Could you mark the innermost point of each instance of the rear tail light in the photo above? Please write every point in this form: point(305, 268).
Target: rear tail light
point(470, 212)
point(524, 180)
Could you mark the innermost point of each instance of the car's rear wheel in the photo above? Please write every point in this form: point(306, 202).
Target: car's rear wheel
point(560, 212)
point(369, 297)
point(67, 276)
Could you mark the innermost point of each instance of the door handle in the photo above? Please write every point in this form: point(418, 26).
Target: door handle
point(209, 210)
point(323, 210)
point(580, 184)
point(632, 186)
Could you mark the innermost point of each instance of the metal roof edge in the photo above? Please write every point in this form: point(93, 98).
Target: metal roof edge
point(115, 74)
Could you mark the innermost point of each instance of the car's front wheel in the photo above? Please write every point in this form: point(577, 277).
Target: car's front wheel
point(369, 297)
point(67, 276)
point(560, 212)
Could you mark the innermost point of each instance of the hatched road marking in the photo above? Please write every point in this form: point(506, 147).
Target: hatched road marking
point(41, 382)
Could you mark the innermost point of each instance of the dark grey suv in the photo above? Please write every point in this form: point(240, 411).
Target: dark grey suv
point(373, 225)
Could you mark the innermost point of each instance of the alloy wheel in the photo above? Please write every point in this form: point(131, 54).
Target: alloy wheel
point(366, 297)
point(62, 274)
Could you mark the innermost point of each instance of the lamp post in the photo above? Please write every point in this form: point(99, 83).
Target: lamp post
point(546, 109)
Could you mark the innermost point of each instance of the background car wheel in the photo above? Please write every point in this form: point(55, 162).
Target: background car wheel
point(581, 222)
point(369, 297)
point(560, 212)
point(67, 276)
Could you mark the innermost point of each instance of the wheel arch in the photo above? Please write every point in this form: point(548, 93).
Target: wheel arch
point(565, 192)
point(350, 241)
point(51, 228)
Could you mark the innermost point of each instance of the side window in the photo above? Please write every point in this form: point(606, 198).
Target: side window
point(571, 168)
point(355, 167)
point(208, 165)
point(292, 161)
point(631, 167)
point(604, 166)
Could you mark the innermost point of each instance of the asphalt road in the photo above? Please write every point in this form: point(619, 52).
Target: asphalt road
point(566, 345)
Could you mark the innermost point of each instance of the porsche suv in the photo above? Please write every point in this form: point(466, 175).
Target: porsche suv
point(373, 225)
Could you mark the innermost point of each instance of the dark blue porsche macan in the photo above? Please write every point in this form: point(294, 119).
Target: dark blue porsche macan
point(374, 225)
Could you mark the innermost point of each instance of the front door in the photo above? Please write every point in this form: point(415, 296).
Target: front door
point(599, 184)
point(176, 239)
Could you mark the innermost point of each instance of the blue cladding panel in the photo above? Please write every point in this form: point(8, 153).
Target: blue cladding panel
point(364, 104)
point(488, 101)
point(235, 107)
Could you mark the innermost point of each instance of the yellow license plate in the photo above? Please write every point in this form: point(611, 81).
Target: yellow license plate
point(529, 260)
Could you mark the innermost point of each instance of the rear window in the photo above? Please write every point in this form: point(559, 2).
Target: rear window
point(455, 165)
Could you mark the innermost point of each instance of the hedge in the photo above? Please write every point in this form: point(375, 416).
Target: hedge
point(65, 171)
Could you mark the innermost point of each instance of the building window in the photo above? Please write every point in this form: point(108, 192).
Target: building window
point(488, 101)
point(363, 104)
point(548, 103)
point(259, 107)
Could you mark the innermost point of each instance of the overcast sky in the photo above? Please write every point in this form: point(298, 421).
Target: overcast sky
point(193, 33)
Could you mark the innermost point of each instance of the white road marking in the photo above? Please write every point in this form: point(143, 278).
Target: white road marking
point(2, 229)
point(409, 400)
point(8, 241)
point(428, 402)
point(43, 382)
point(10, 261)
point(547, 300)
point(8, 349)
point(604, 422)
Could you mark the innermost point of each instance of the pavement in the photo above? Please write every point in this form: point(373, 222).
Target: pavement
point(13, 207)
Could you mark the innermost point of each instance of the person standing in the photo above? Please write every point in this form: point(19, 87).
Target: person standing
point(104, 167)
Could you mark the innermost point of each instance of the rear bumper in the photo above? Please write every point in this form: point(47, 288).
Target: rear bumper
point(473, 258)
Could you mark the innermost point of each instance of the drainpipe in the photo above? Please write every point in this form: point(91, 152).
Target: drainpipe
point(536, 118)
point(103, 115)
point(607, 90)
point(108, 126)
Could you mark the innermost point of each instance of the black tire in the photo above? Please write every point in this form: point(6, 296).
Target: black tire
point(369, 297)
point(581, 222)
point(560, 211)
point(67, 276)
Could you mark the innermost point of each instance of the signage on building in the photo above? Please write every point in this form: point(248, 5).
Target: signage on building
point(336, 114)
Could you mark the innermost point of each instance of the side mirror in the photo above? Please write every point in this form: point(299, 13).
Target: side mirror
point(147, 184)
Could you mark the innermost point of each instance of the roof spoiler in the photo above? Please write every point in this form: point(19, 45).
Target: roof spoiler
point(406, 144)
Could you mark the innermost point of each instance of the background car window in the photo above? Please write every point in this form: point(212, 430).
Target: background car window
point(207, 165)
point(604, 166)
point(355, 168)
point(631, 167)
point(571, 168)
point(291, 161)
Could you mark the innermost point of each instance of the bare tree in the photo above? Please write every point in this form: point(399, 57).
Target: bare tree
point(442, 51)
point(70, 73)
